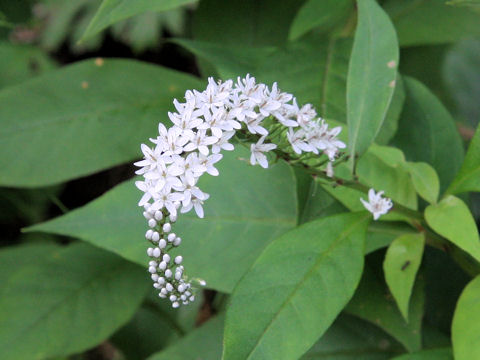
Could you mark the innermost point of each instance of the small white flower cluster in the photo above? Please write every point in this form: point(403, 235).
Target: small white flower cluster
point(376, 204)
point(202, 127)
point(314, 135)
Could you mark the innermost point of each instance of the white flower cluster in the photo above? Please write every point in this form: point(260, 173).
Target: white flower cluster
point(202, 127)
point(376, 204)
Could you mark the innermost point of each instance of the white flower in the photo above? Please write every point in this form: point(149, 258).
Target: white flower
point(201, 142)
point(167, 199)
point(258, 151)
point(376, 204)
point(254, 127)
point(296, 139)
point(222, 143)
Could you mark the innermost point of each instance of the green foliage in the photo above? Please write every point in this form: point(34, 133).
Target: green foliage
point(431, 21)
point(371, 76)
point(425, 180)
point(294, 265)
point(112, 11)
point(468, 178)
point(21, 62)
point(321, 14)
point(202, 343)
point(401, 264)
point(302, 300)
point(434, 354)
point(373, 303)
point(427, 133)
point(464, 325)
point(291, 66)
point(84, 117)
point(452, 219)
point(462, 78)
point(39, 297)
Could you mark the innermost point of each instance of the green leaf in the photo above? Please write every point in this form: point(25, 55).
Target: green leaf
point(465, 325)
point(390, 125)
point(319, 14)
point(461, 76)
point(432, 354)
point(82, 119)
point(291, 66)
point(431, 21)
point(244, 214)
point(350, 338)
point(383, 168)
point(468, 178)
point(427, 132)
point(425, 180)
point(371, 76)
point(21, 62)
point(47, 308)
point(373, 303)
point(112, 11)
point(295, 289)
point(402, 260)
point(244, 22)
point(202, 343)
point(452, 219)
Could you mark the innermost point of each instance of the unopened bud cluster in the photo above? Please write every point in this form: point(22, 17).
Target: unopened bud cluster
point(166, 271)
point(202, 127)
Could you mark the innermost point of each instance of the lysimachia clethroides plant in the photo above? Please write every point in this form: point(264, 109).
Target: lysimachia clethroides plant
point(301, 186)
point(202, 126)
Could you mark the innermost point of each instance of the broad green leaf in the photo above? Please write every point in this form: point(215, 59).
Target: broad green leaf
point(244, 22)
point(390, 125)
point(295, 289)
point(465, 325)
point(244, 213)
point(323, 14)
point(468, 178)
point(372, 302)
point(460, 73)
point(47, 308)
point(291, 66)
point(202, 343)
point(452, 219)
point(383, 168)
point(431, 21)
point(15, 257)
point(425, 180)
point(112, 11)
point(427, 132)
point(432, 354)
point(371, 76)
point(83, 118)
point(402, 260)
point(21, 62)
point(350, 338)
